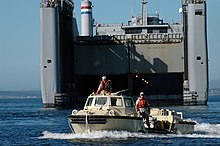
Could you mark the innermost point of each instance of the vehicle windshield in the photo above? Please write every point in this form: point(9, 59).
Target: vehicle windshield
point(100, 100)
point(89, 101)
point(129, 102)
point(116, 101)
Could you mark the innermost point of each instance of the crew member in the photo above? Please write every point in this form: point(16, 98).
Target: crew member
point(143, 108)
point(104, 86)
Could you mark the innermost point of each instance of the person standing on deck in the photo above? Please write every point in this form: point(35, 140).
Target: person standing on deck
point(104, 85)
point(143, 108)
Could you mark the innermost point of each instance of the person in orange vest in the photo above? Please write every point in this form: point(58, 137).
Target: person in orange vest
point(104, 86)
point(143, 108)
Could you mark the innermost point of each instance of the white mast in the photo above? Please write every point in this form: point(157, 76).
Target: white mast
point(144, 12)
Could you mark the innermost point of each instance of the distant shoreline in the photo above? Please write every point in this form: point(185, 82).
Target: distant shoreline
point(17, 97)
point(214, 92)
point(20, 94)
point(37, 94)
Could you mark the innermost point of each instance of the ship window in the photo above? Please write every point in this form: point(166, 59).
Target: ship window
point(198, 13)
point(100, 100)
point(163, 31)
point(149, 31)
point(119, 102)
point(198, 58)
point(116, 101)
point(157, 30)
point(129, 103)
point(48, 61)
point(89, 102)
point(133, 31)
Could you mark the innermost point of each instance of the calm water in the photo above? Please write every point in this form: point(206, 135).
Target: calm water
point(24, 121)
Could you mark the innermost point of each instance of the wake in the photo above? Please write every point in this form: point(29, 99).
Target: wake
point(203, 130)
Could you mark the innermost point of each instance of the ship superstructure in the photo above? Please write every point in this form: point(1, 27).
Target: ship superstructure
point(166, 61)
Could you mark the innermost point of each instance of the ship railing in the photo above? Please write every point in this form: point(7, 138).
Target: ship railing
point(99, 39)
point(158, 38)
point(150, 38)
point(141, 38)
point(49, 3)
point(119, 38)
point(111, 25)
point(162, 37)
point(193, 1)
point(54, 3)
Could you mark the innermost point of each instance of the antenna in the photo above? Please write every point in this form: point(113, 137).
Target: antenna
point(132, 8)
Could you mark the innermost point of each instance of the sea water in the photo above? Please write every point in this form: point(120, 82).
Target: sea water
point(24, 121)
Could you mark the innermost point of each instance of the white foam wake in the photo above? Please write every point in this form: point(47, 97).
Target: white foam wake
point(203, 130)
point(93, 135)
point(213, 129)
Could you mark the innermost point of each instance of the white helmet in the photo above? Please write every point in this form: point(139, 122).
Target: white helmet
point(142, 93)
point(104, 77)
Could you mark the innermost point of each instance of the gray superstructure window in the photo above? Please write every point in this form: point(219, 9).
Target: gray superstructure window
point(133, 30)
point(198, 12)
point(149, 31)
point(163, 31)
point(157, 30)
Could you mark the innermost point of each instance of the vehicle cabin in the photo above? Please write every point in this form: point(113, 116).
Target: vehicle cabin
point(121, 105)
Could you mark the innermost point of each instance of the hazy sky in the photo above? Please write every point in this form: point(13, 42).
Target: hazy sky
point(20, 34)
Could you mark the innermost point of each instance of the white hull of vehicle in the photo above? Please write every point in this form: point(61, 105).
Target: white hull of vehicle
point(86, 124)
point(184, 128)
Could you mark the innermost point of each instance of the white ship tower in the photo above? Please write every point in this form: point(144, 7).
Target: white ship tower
point(86, 18)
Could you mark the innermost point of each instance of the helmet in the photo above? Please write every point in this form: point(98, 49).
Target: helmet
point(104, 77)
point(142, 93)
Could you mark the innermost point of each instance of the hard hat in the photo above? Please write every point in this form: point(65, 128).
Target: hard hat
point(104, 77)
point(142, 93)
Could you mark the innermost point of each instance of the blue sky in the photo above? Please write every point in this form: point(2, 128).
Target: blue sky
point(20, 34)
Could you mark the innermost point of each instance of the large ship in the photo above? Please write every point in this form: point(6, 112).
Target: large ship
point(168, 62)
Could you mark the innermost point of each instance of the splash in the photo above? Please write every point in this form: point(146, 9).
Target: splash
point(203, 130)
point(211, 129)
point(97, 135)
point(92, 135)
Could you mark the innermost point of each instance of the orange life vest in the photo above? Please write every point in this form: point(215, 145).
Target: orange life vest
point(106, 86)
point(142, 103)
